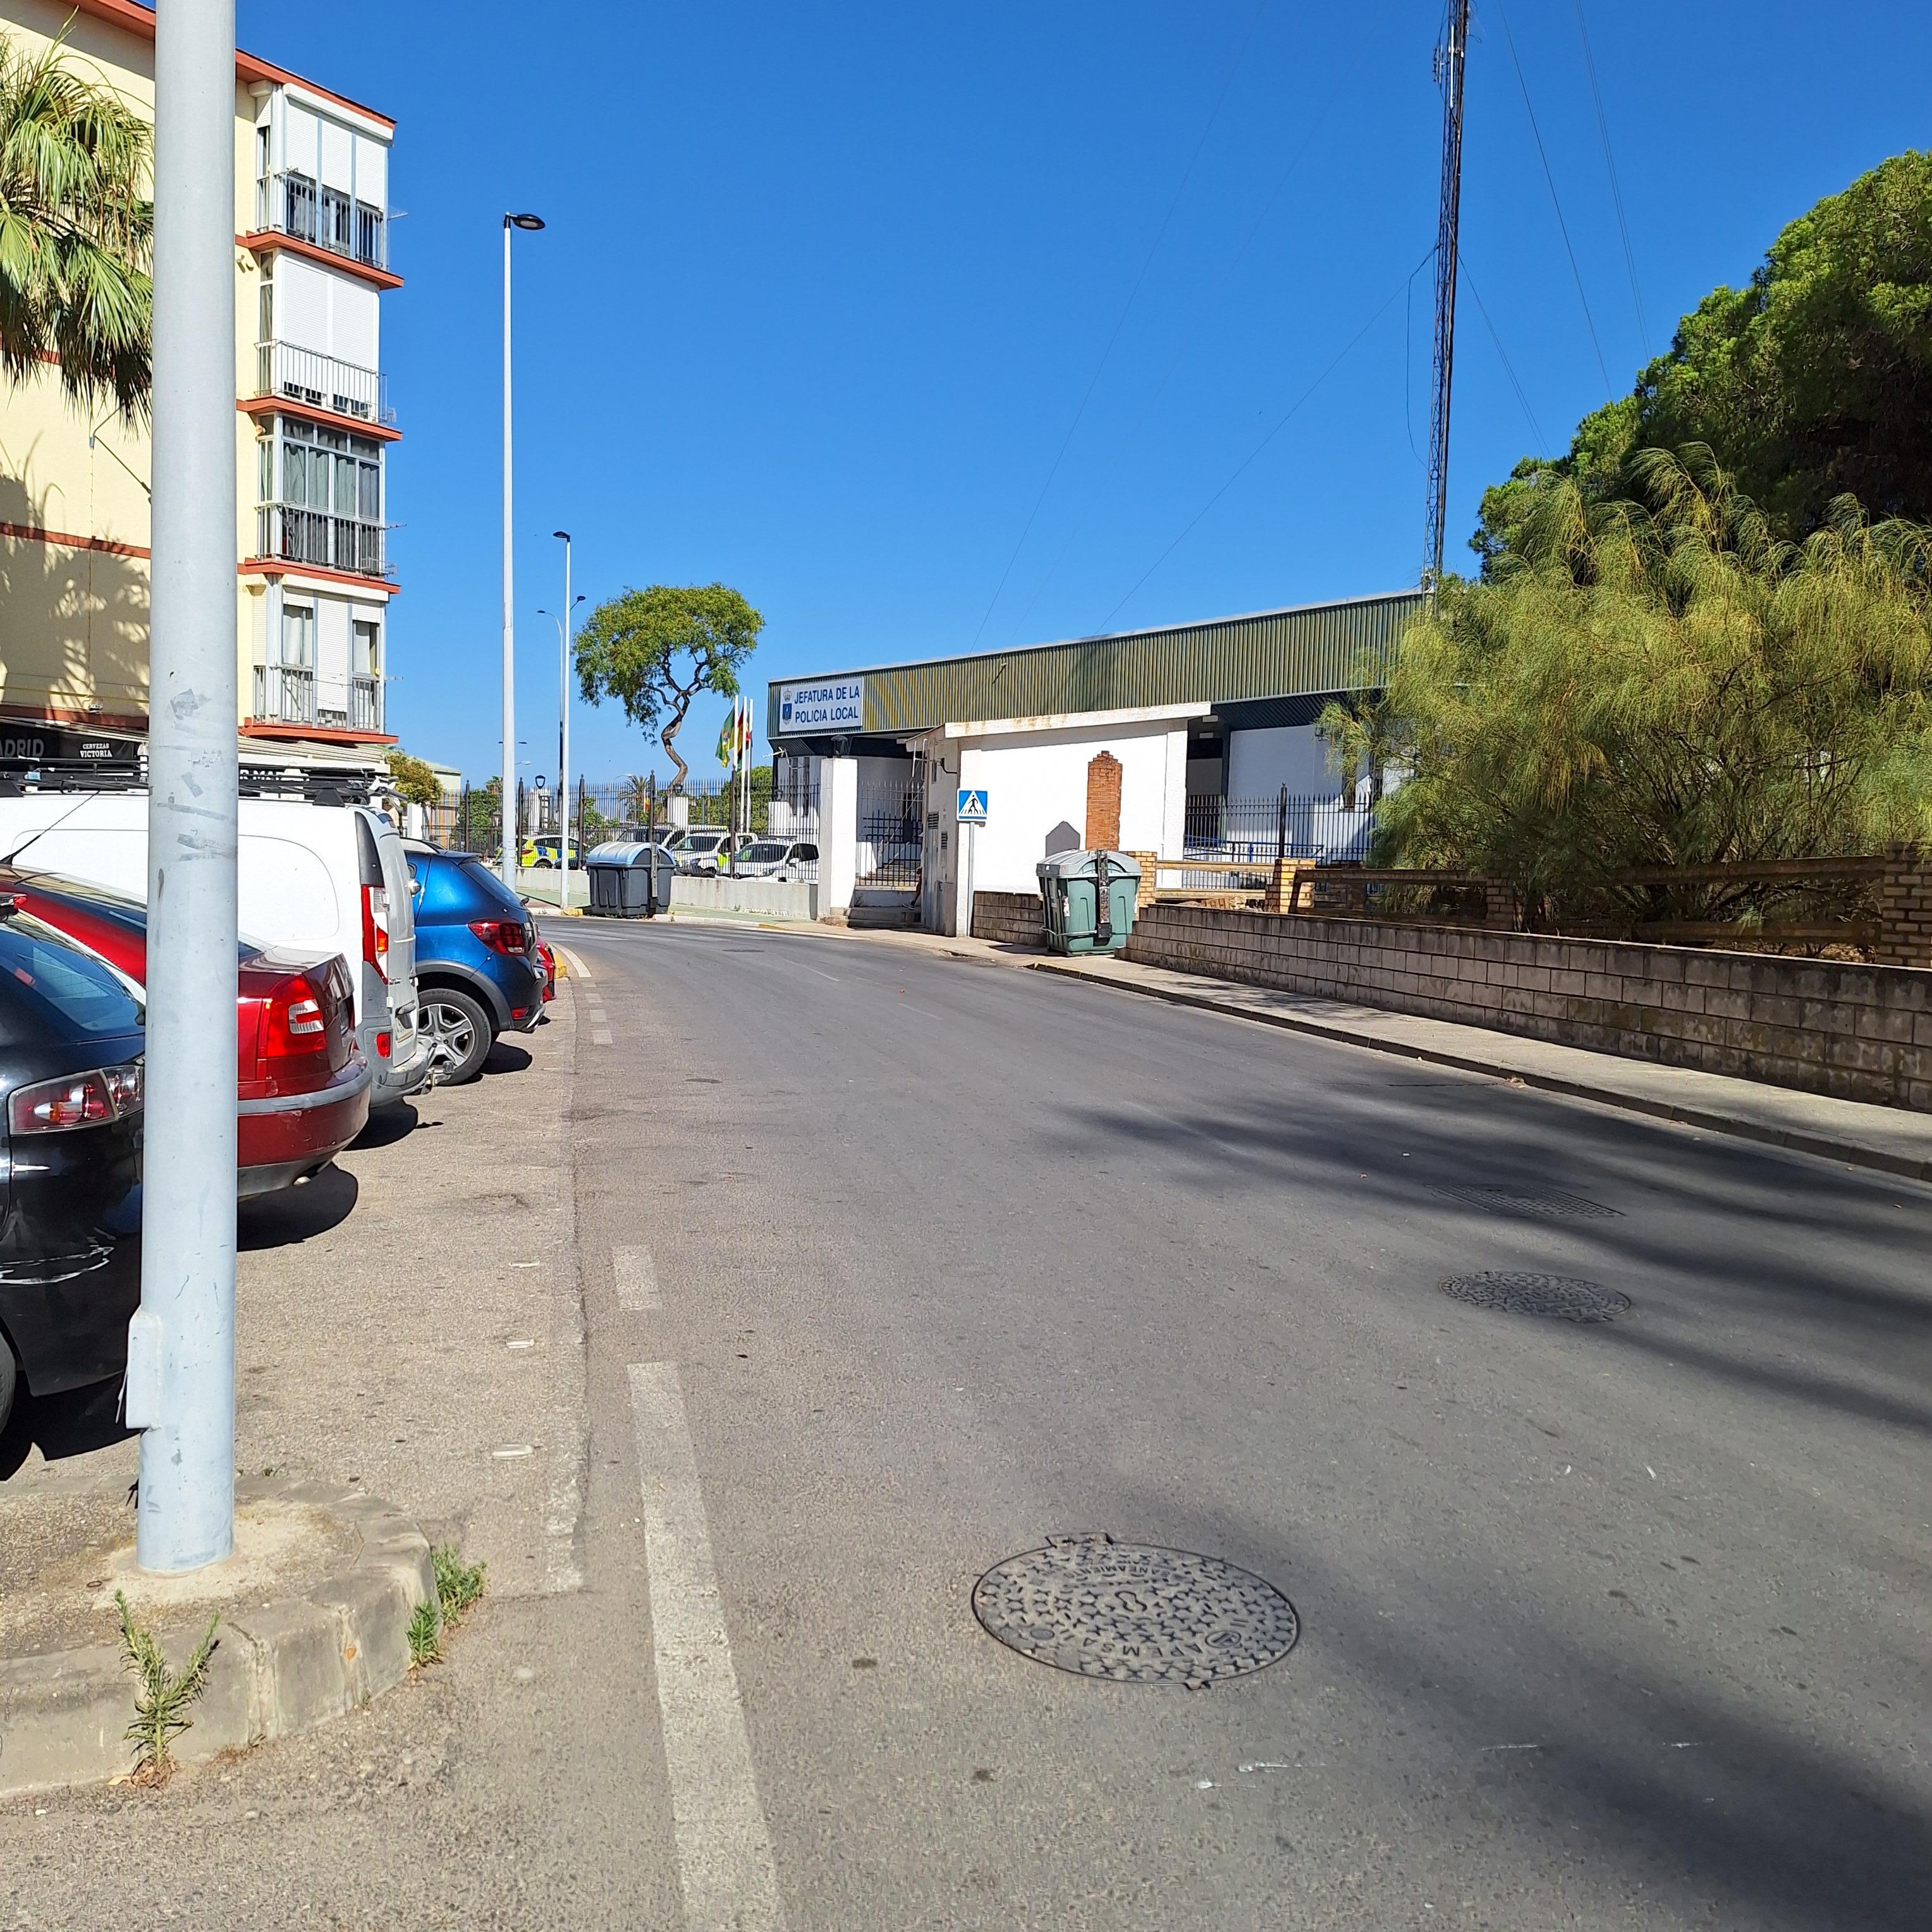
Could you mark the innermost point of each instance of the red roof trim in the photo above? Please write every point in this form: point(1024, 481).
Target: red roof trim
point(250, 66)
point(32, 533)
point(279, 566)
point(266, 240)
point(283, 406)
point(328, 734)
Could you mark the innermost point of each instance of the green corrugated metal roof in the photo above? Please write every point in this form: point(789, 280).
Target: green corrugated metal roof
point(1312, 649)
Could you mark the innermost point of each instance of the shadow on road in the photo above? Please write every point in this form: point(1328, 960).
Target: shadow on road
point(387, 1126)
point(74, 1423)
point(504, 1058)
point(296, 1214)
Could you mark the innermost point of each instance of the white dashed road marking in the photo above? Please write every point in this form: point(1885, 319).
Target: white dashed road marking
point(578, 969)
point(600, 1036)
point(724, 1849)
point(636, 1280)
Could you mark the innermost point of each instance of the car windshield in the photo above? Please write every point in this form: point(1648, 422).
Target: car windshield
point(62, 986)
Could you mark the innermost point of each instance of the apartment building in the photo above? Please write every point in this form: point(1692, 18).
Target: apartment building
point(313, 429)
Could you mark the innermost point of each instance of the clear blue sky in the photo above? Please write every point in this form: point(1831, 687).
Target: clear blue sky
point(823, 288)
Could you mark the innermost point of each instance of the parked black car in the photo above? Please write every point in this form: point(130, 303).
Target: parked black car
point(72, 1040)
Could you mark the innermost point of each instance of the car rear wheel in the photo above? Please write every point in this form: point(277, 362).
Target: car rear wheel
point(460, 1032)
point(10, 1380)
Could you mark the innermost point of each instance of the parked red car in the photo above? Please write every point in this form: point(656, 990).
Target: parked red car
point(302, 1089)
point(549, 959)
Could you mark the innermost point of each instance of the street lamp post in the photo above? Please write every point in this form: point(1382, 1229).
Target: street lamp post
point(180, 1387)
point(530, 222)
point(563, 725)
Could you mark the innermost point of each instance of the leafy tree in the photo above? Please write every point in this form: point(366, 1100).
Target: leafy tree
point(1660, 683)
point(412, 780)
point(76, 229)
point(1813, 381)
point(479, 818)
point(654, 650)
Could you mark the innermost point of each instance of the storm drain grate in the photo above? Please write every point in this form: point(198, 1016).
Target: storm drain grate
point(1135, 1613)
point(1547, 1204)
point(1559, 1295)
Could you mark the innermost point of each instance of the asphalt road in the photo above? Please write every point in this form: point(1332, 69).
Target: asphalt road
point(1620, 1623)
point(893, 1267)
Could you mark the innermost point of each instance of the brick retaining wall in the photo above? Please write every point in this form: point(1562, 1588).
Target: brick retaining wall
point(1862, 1032)
point(1011, 919)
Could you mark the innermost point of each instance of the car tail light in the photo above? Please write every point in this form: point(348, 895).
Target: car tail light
point(510, 936)
point(76, 1100)
point(375, 928)
point(382, 1044)
point(292, 1020)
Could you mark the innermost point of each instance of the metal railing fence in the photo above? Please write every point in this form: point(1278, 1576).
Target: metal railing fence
point(324, 382)
point(1332, 830)
point(298, 534)
point(285, 693)
point(293, 203)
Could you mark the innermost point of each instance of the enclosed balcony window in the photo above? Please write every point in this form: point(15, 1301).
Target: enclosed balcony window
point(321, 499)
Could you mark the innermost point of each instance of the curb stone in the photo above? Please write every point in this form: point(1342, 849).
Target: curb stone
point(284, 1667)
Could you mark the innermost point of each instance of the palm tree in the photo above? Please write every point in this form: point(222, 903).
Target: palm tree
point(76, 229)
point(639, 795)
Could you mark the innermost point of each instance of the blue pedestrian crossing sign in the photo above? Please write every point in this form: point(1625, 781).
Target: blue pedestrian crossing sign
point(972, 807)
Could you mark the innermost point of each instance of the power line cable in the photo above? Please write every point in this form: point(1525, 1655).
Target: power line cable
point(1555, 201)
point(1616, 187)
point(1509, 368)
point(1376, 22)
point(1281, 424)
point(1126, 309)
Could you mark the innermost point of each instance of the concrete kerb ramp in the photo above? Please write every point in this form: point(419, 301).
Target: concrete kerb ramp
point(282, 1663)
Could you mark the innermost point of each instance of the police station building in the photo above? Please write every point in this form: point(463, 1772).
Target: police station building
point(1195, 740)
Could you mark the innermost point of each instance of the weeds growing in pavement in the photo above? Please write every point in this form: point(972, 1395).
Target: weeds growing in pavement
point(162, 1697)
point(458, 1584)
point(425, 1634)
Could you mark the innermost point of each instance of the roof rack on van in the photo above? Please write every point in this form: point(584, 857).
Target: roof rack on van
point(18, 778)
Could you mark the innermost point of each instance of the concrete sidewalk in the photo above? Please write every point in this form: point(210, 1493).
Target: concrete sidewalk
point(1889, 1139)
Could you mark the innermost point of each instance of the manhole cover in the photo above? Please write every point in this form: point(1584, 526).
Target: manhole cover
point(1545, 1202)
point(1135, 1613)
point(1568, 1299)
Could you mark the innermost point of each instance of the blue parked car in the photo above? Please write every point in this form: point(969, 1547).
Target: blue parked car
point(478, 972)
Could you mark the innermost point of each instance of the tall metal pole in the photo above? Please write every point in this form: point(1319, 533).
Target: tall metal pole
point(563, 731)
point(1449, 67)
point(180, 1383)
point(509, 854)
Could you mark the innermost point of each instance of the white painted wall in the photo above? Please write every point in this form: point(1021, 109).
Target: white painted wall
point(838, 832)
point(1037, 782)
point(1260, 763)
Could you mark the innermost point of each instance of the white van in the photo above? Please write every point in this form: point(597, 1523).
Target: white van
point(313, 878)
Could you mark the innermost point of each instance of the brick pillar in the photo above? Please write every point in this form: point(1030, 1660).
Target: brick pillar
point(1904, 910)
point(1103, 804)
point(1149, 862)
point(1499, 912)
point(1289, 888)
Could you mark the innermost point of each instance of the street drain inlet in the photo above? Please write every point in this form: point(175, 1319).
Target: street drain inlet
point(1559, 1295)
point(1546, 1203)
point(1135, 1613)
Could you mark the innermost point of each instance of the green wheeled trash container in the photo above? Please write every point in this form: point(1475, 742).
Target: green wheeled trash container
point(1089, 900)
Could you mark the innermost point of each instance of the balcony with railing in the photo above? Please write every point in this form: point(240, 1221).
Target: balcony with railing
point(323, 382)
point(292, 533)
point(365, 702)
point(284, 695)
point(292, 203)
